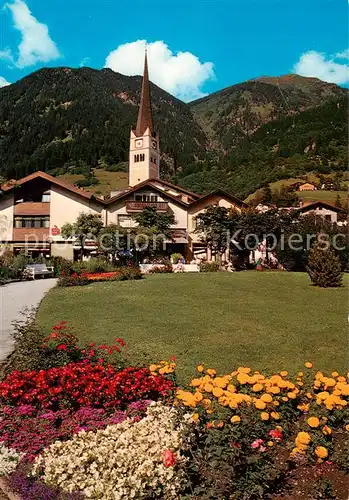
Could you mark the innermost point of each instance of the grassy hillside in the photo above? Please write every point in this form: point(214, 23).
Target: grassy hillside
point(108, 181)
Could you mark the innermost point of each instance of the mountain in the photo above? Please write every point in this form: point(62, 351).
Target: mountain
point(58, 117)
point(73, 121)
point(238, 111)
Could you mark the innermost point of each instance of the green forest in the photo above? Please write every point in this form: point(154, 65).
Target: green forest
point(63, 120)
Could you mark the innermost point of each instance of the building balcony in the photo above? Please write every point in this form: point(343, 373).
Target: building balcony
point(31, 234)
point(138, 206)
point(32, 208)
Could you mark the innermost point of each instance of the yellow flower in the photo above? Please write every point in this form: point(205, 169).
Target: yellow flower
point(275, 415)
point(274, 390)
point(327, 430)
point(231, 388)
point(235, 419)
point(308, 364)
point(257, 387)
point(195, 417)
point(211, 372)
point(195, 382)
point(300, 446)
point(300, 374)
point(292, 395)
point(297, 450)
point(303, 437)
point(208, 387)
point(153, 368)
point(284, 373)
point(313, 422)
point(347, 427)
point(270, 443)
point(200, 368)
point(218, 392)
point(309, 395)
point(284, 398)
point(334, 374)
point(321, 452)
point(264, 415)
point(276, 403)
point(267, 398)
point(243, 378)
point(303, 407)
point(259, 404)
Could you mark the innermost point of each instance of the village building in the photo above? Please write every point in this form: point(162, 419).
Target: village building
point(34, 208)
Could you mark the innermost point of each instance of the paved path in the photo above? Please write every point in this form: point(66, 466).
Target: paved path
point(14, 298)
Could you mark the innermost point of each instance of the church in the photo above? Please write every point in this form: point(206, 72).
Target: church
point(34, 208)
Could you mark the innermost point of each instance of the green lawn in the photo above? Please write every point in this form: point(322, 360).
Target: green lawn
point(263, 320)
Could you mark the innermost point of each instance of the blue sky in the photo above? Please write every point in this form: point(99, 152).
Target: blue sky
point(195, 46)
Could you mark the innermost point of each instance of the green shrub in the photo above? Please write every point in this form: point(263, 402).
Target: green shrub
point(324, 267)
point(60, 265)
point(161, 270)
point(93, 265)
point(176, 257)
point(129, 273)
point(27, 353)
point(209, 267)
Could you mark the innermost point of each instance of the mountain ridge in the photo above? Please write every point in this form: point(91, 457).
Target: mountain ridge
point(75, 120)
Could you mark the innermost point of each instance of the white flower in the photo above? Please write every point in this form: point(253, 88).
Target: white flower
point(9, 459)
point(122, 461)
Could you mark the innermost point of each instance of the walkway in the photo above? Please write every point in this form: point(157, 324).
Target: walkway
point(14, 298)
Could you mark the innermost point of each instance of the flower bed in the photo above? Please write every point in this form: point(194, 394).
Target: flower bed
point(82, 277)
point(87, 428)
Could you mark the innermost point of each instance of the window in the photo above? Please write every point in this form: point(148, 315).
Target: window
point(328, 217)
point(31, 222)
point(146, 198)
point(46, 197)
point(142, 157)
point(125, 220)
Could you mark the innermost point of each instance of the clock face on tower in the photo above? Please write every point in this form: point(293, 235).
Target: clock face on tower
point(154, 144)
point(139, 143)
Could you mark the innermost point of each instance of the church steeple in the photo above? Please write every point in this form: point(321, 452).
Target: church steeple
point(145, 119)
point(144, 159)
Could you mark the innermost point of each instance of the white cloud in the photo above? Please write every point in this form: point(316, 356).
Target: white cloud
point(3, 82)
point(85, 61)
point(317, 64)
point(36, 44)
point(181, 75)
point(343, 55)
point(6, 55)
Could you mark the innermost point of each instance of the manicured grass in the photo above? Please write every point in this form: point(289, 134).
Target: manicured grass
point(265, 320)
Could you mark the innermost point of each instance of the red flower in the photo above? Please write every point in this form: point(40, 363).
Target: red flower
point(276, 434)
point(173, 358)
point(62, 347)
point(169, 458)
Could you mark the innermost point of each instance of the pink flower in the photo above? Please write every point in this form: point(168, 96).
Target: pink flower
point(262, 448)
point(257, 443)
point(169, 458)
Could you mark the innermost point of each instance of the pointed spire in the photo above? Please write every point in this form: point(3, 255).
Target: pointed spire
point(145, 119)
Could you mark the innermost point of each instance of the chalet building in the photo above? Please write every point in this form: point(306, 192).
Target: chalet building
point(327, 211)
point(34, 209)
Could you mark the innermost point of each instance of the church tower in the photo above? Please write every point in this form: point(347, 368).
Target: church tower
point(144, 159)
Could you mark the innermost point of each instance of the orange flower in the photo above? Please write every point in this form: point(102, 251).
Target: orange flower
point(313, 422)
point(308, 364)
point(235, 419)
point(264, 415)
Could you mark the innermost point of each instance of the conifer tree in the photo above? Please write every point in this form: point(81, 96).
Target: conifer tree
point(324, 266)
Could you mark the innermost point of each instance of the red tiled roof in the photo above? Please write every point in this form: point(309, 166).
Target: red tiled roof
point(315, 204)
point(53, 180)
